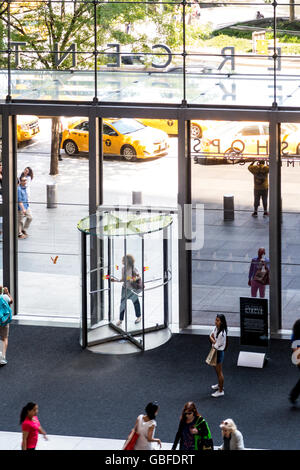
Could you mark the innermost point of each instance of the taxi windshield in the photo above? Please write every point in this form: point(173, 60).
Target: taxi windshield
point(126, 126)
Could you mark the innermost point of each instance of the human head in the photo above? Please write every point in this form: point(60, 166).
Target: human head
point(261, 252)
point(296, 329)
point(221, 322)
point(152, 409)
point(189, 407)
point(30, 409)
point(128, 260)
point(228, 425)
point(28, 172)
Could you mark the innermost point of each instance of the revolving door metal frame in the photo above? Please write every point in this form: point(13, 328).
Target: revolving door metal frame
point(122, 334)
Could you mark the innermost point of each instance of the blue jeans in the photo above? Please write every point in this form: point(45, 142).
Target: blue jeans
point(135, 300)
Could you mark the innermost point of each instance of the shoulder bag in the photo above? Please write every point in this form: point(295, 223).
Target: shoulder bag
point(131, 440)
point(211, 359)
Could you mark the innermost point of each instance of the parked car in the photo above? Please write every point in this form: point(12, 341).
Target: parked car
point(233, 142)
point(170, 126)
point(125, 137)
point(27, 127)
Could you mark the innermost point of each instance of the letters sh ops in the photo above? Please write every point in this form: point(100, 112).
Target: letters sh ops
point(296, 353)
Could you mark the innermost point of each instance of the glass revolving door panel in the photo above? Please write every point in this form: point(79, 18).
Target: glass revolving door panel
point(129, 279)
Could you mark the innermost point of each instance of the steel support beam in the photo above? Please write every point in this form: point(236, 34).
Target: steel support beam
point(275, 227)
point(9, 197)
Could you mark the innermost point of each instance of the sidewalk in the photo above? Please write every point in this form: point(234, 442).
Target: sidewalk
point(12, 441)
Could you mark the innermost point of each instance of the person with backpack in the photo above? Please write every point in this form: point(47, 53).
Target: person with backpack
point(260, 172)
point(219, 341)
point(132, 285)
point(6, 301)
point(193, 431)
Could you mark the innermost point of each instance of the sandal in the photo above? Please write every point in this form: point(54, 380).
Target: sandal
point(22, 236)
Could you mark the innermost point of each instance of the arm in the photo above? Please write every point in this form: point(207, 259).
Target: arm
point(24, 440)
point(5, 291)
point(42, 431)
point(177, 437)
point(239, 444)
point(150, 436)
point(212, 338)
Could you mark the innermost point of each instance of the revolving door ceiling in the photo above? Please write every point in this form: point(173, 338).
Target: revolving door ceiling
point(126, 279)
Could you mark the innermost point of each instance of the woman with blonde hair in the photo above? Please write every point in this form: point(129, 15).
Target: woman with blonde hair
point(232, 437)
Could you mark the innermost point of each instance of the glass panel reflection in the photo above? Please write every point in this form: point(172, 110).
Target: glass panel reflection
point(230, 184)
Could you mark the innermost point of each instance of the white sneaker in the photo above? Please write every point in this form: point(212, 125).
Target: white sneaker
point(215, 387)
point(3, 361)
point(218, 394)
point(137, 320)
point(119, 322)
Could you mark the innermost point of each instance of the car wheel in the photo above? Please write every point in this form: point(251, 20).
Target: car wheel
point(128, 153)
point(196, 131)
point(70, 147)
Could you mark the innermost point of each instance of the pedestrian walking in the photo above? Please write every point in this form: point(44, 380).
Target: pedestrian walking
point(193, 431)
point(131, 287)
point(260, 172)
point(24, 212)
point(232, 437)
point(31, 426)
point(218, 339)
point(145, 428)
point(295, 338)
point(259, 273)
point(4, 330)
point(28, 174)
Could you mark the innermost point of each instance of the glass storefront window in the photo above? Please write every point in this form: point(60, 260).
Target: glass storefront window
point(48, 251)
point(229, 178)
point(290, 170)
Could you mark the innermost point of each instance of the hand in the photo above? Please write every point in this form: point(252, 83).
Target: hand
point(158, 441)
point(249, 283)
point(194, 430)
point(45, 437)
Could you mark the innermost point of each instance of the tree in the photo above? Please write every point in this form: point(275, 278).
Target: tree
point(50, 28)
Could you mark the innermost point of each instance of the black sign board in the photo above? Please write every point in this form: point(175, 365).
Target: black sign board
point(254, 321)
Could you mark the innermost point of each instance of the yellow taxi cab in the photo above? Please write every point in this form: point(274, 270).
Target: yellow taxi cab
point(231, 142)
point(126, 137)
point(27, 127)
point(170, 126)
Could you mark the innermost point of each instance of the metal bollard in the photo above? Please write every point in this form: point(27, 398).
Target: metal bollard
point(137, 197)
point(228, 202)
point(51, 196)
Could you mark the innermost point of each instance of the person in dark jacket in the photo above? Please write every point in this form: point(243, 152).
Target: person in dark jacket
point(193, 431)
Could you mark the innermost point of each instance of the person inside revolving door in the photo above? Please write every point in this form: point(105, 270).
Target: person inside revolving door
point(132, 285)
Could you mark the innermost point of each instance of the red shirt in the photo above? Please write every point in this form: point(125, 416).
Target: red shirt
point(32, 427)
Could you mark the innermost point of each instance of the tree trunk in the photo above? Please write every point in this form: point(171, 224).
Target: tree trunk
point(292, 10)
point(55, 141)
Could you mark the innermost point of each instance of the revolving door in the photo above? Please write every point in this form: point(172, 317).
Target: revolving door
point(126, 279)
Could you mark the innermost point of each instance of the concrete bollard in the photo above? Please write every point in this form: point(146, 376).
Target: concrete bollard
point(228, 203)
point(51, 196)
point(137, 197)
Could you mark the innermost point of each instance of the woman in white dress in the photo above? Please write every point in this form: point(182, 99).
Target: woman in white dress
point(145, 427)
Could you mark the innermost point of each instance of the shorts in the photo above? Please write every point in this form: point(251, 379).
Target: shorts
point(4, 332)
point(220, 357)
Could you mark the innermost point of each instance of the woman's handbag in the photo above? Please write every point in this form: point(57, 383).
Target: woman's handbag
point(131, 440)
point(262, 276)
point(211, 359)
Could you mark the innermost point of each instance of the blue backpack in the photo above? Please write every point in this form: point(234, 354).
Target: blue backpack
point(5, 312)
